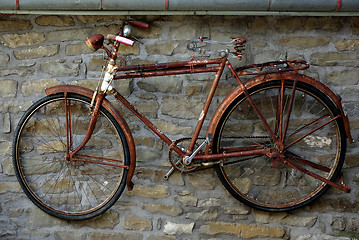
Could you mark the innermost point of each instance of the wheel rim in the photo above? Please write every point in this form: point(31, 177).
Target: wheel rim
point(71, 188)
point(262, 181)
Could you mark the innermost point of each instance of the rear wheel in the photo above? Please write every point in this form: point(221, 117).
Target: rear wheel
point(267, 182)
point(71, 189)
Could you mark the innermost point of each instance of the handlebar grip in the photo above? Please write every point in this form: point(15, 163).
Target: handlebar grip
point(120, 39)
point(139, 24)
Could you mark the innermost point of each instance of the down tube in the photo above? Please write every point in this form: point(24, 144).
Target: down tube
point(147, 122)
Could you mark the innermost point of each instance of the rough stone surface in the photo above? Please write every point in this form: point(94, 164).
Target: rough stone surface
point(136, 223)
point(22, 40)
point(150, 192)
point(4, 59)
point(38, 87)
point(304, 42)
point(15, 25)
point(242, 230)
point(176, 228)
point(57, 21)
point(39, 51)
point(8, 88)
point(60, 68)
point(163, 209)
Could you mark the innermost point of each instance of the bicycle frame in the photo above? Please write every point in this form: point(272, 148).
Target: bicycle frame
point(206, 66)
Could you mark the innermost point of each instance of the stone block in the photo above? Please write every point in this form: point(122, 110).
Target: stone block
point(183, 32)
point(178, 228)
point(56, 21)
point(284, 219)
point(208, 215)
point(8, 167)
point(38, 219)
point(114, 236)
point(211, 202)
point(8, 88)
point(6, 123)
point(334, 59)
point(5, 147)
point(161, 84)
point(4, 59)
point(40, 52)
point(15, 25)
point(304, 42)
point(269, 55)
point(37, 87)
point(77, 49)
point(107, 220)
point(354, 23)
point(242, 230)
point(160, 237)
point(172, 128)
point(320, 236)
point(128, 50)
point(148, 108)
point(136, 223)
point(343, 77)
point(10, 187)
point(60, 68)
point(162, 48)
point(187, 200)
point(14, 106)
point(352, 160)
point(347, 45)
point(68, 35)
point(156, 192)
point(69, 235)
point(8, 228)
point(99, 18)
point(22, 40)
point(96, 63)
point(181, 107)
point(163, 209)
point(202, 181)
point(239, 210)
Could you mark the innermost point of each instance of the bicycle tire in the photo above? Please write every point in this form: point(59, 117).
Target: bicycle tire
point(262, 183)
point(70, 190)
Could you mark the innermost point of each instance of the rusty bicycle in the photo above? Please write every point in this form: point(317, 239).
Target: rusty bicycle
point(277, 141)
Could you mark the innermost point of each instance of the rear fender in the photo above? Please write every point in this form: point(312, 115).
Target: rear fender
point(108, 106)
point(273, 77)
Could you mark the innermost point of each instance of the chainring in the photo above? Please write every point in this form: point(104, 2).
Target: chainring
point(176, 161)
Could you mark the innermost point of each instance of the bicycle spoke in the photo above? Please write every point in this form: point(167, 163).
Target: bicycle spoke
point(78, 188)
point(310, 135)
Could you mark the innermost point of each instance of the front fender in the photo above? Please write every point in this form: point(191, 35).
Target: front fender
point(273, 77)
point(109, 107)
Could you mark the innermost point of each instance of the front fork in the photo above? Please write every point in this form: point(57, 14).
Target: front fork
point(95, 113)
point(99, 96)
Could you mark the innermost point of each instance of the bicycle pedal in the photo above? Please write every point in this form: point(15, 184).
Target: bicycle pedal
point(168, 174)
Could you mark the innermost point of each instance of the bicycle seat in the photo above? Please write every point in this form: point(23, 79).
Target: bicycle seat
point(239, 40)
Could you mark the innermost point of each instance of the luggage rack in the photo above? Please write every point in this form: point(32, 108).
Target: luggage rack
point(273, 67)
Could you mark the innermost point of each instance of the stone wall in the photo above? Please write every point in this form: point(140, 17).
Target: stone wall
point(37, 52)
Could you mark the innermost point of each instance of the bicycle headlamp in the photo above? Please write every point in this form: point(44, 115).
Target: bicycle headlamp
point(95, 42)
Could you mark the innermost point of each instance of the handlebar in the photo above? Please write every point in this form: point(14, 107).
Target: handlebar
point(120, 39)
point(139, 24)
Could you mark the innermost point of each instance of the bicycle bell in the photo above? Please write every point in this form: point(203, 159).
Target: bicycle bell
point(127, 31)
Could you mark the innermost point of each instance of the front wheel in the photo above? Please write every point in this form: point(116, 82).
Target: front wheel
point(314, 140)
point(81, 187)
